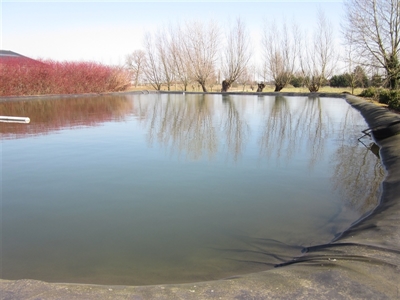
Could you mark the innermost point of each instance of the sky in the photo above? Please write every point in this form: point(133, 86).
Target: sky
point(105, 31)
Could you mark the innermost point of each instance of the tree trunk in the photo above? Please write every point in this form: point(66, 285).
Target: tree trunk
point(313, 88)
point(313, 84)
point(278, 87)
point(226, 84)
point(393, 80)
point(260, 88)
point(392, 67)
point(203, 86)
point(393, 83)
point(137, 78)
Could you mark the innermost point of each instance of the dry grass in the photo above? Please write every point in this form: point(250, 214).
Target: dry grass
point(268, 88)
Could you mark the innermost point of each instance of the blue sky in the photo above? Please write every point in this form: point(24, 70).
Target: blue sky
point(106, 31)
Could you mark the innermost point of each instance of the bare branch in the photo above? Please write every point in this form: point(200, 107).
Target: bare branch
point(318, 58)
point(280, 49)
point(200, 46)
point(153, 68)
point(375, 27)
point(236, 55)
point(135, 63)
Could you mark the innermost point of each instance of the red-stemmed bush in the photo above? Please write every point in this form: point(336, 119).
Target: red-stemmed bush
point(29, 77)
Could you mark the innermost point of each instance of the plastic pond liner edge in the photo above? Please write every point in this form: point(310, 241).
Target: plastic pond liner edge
point(363, 262)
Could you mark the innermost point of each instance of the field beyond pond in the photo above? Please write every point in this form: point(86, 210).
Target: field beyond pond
point(247, 88)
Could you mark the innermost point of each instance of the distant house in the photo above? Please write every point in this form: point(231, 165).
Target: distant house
point(6, 56)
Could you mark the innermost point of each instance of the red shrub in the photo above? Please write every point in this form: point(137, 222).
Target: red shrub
point(28, 77)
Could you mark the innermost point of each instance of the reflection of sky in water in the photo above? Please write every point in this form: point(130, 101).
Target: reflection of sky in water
point(164, 189)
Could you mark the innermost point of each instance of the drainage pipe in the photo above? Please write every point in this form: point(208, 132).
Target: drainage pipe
point(14, 119)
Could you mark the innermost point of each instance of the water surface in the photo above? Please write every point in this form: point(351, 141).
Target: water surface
point(147, 189)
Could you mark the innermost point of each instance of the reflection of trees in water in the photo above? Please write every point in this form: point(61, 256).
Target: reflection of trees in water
point(49, 115)
point(192, 125)
point(277, 130)
point(183, 125)
point(285, 128)
point(316, 127)
point(235, 127)
point(358, 173)
point(357, 176)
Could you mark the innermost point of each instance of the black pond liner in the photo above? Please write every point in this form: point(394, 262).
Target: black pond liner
point(385, 131)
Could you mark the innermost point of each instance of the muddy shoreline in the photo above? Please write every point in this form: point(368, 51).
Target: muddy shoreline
point(364, 262)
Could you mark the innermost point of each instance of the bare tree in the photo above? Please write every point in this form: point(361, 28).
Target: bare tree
point(135, 63)
point(318, 58)
point(280, 52)
point(350, 58)
point(200, 44)
point(179, 59)
point(164, 52)
point(260, 87)
point(361, 79)
point(236, 55)
point(153, 67)
point(245, 78)
point(252, 70)
point(373, 27)
point(262, 73)
point(213, 80)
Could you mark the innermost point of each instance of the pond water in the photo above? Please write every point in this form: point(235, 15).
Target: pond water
point(148, 189)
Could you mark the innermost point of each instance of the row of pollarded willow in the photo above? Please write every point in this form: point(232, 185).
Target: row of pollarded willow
point(202, 53)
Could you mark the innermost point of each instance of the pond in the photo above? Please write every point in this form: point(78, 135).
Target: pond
point(171, 188)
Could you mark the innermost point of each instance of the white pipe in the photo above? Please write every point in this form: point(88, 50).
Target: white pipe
point(14, 119)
